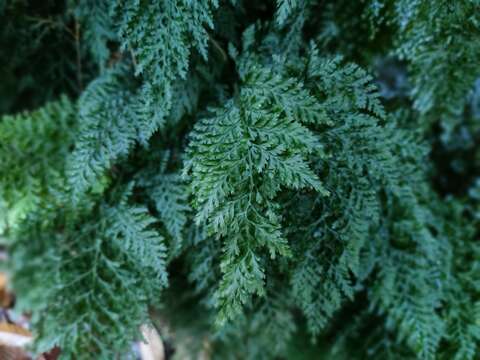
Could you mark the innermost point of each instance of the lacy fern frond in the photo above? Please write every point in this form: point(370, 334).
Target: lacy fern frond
point(110, 126)
point(436, 39)
point(97, 29)
point(108, 272)
point(161, 37)
point(170, 197)
point(240, 159)
point(33, 146)
point(130, 229)
point(285, 8)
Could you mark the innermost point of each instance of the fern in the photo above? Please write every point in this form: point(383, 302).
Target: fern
point(253, 147)
point(165, 36)
point(31, 166)
point(111, 125)
point(130, 230)
point(462, 310)
point(436, 39)
point(97, 29)
point(285, 8)
point(169, 195)
point(261, 180)
point(94, 286)
point(160, 37)
point(94, 271)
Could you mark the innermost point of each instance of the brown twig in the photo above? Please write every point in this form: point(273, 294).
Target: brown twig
point(79, 55)
point(218, 47)
point(132, 53)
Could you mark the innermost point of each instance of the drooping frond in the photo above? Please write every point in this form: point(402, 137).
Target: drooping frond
point(161, 37)
point(110, 126)
point(95, 281)
point(240, 159)
point(437, 39)
point(285, 8)
point(33, 146)
point(130, 230)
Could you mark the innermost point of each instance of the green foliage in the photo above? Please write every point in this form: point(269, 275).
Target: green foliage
point(285, 8)
point(97, 29)
point(130, 230)
point(97, 282)
point(438, 42)
point(97, 265)
point(109, 127)
point(161, 36)
point(227, 171)
point(33, 147)
point(240, 159)
point(169, 195)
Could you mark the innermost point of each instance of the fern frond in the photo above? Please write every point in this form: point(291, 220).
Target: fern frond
point(239, 160)
point(285, 8)
point(97, 29)
point(437, 40)
point(95, 281)
point(33, 147)
point(162, 35)
point(111, 123)
point(130, 229)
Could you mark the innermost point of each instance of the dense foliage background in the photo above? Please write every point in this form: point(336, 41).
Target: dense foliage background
point(291, 179)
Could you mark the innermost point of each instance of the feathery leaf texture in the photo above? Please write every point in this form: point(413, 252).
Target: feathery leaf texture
point(241, 158)
point(228, 168)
